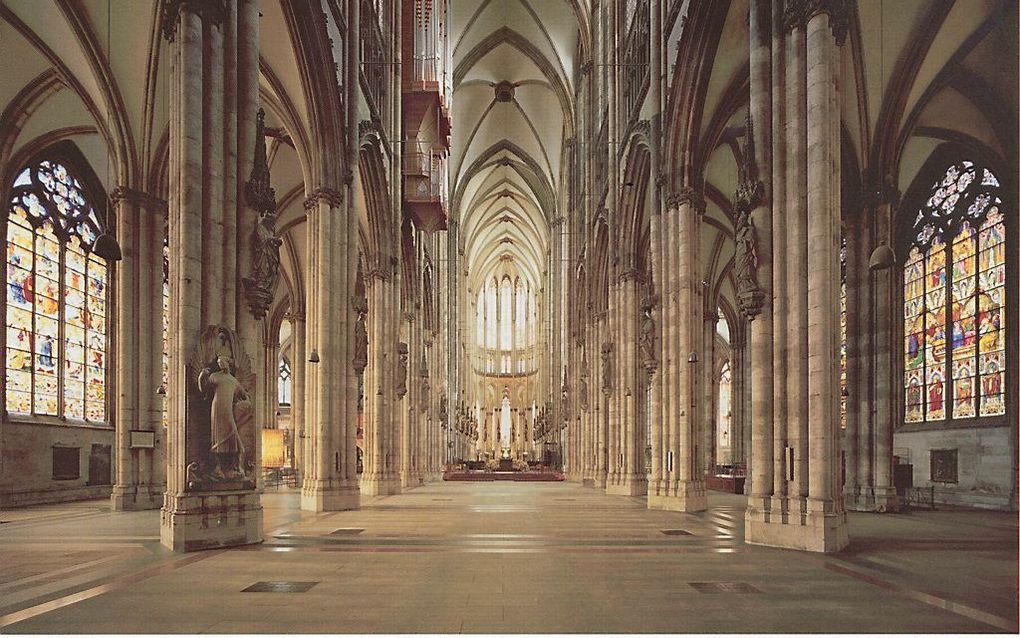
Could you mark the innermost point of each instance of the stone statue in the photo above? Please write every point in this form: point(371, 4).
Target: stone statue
point(227, 449)
point(360, 305)
point(426, 392)
point(443, 414)
point(401, 369)
point(648, 340)
point(221, 434)
point(607, 368)
point(260, 287)
point(747, 250)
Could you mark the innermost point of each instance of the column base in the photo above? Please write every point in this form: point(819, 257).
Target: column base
point(684, 496)
point(629, 486)
point(820, 529)
point(326, 498)
point(207, 520)
point(132, 498)
point(589, 482)
point(380, 486)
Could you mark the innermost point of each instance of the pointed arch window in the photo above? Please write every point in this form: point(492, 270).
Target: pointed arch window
point(285, 382)
point(955, 300)
point(56, 300)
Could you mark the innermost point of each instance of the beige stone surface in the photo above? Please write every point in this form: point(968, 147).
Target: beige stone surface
point(512, 558)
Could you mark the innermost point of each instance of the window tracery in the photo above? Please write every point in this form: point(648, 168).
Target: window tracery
point(56, 302)
point(954, 300)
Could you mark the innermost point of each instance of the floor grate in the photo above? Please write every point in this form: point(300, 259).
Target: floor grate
point(346, 531)
point(281, 586)
point(676, 532)
point(725, 588)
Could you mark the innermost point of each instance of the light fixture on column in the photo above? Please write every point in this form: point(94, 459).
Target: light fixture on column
point(314, 356)
point(692, 357)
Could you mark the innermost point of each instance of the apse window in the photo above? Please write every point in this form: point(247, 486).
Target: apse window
point(56, 301)
point(954, 300)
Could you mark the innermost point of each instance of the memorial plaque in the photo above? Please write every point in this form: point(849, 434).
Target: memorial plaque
point(944, 466)
point(144, 439)
point(66, 463)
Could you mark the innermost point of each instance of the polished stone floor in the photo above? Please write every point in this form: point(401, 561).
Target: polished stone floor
point(505, 558)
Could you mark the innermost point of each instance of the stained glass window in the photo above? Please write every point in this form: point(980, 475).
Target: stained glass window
point(165, 359)
point(954, 300)
point(842, 333)
point(505, 315)
point(56, 302)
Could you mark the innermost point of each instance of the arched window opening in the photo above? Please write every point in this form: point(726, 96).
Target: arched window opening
point(490, 316)
point(724, 414)
point(285, 383)
point(505, 316)
point(480, 323)
point(56, 303)
point(954, 300)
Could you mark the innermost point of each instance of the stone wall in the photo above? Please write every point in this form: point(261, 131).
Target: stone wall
point(984, 464)
point(26, 473)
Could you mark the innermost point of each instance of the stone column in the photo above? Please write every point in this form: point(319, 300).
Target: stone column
point(382, 387)
point(138, 300)
point(297, 410)
point(686, 488)
point(330, 481)
point(710, 391)
point(886, 309)
point(214, 415)
point(856, 310)
point(766, 46)
point(826, 518)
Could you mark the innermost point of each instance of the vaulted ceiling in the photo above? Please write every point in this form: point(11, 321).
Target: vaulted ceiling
point(513, 86)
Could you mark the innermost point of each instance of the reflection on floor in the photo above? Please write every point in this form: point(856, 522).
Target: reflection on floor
point(504, 558)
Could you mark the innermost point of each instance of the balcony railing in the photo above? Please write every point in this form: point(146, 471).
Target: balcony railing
point(426, 172)
point(520, 362)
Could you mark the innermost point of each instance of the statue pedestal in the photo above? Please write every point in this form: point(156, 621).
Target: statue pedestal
point(206, 520)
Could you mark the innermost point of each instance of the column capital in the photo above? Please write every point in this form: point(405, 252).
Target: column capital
point(685, 195)
point(331, 196)
point(799, 12)
point(137, 198)
point(212, 10)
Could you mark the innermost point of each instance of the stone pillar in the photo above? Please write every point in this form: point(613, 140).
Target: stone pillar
point(383, 386)
point(214, 414)
point(710, 391)
point(737, 389)
point(138, 302)
point(330, 480)
point(297, 410)
point(826, 518)
point(685, 489)
point(766, 55)
point(793, 248)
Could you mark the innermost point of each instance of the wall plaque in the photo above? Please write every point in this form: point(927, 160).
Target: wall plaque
point(145, 439)
point(944, 466)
